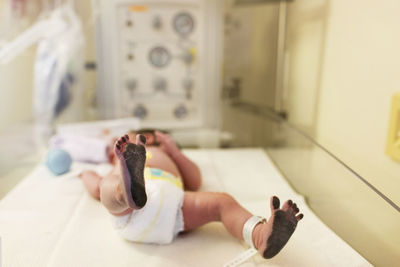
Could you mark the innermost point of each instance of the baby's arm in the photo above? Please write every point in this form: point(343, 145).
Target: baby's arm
point(189, 170)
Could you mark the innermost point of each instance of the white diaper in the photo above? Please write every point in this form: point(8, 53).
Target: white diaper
point(161, 219)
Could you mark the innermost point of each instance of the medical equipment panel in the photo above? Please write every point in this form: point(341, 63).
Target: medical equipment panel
point(159, 61)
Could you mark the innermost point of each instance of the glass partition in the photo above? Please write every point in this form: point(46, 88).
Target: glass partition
point(18, 155)
point(356, 211)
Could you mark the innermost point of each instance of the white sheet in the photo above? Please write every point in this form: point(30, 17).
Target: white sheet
point(51, 221)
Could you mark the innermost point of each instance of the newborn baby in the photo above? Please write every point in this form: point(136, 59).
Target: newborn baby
point(151, 193)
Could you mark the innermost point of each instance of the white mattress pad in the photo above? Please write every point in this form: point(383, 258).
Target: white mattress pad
point(52, 221)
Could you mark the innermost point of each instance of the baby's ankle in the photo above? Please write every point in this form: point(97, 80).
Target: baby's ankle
point(257, 235)
point(122, 213)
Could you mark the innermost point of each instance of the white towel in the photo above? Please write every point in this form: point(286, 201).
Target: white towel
point(82, 148)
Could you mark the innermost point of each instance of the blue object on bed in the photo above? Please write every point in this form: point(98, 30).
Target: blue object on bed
point(58, 161)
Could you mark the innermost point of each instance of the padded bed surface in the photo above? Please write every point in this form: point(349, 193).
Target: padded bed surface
point(52, 221)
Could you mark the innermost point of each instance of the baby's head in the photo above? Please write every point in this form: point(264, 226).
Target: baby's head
point(148, 133)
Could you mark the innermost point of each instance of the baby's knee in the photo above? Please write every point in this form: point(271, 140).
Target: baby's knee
point(225, 200)
point(224, 196)
point(196, 184)
point(212, 202)
point(96, 193)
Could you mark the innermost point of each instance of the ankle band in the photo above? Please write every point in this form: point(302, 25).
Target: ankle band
point(248, 228)
point(247, 234)
point(244, 256)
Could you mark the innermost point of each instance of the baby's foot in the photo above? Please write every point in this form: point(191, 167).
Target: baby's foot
point(132, 158)
point(271, 237)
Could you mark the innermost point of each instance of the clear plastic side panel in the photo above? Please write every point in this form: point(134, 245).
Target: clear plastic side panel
point(360, 214)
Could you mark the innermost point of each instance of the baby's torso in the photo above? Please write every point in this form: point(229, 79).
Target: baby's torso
point(156, 158)
point(154, 174)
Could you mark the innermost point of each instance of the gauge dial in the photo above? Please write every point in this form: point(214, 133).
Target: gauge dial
point(160, 84)
point(180, 112)
point(140, 111)
point(131, 84)
point(159, 56)
point(183, 23)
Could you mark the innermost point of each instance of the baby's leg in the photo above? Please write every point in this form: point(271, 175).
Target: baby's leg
point(92, 181)
point(202, 207)
point(107, 189)
point(123, 189)
point(111, 195)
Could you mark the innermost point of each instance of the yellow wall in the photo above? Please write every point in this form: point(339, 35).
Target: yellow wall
point(306, 23)
point(343, 68)
point(351, 83)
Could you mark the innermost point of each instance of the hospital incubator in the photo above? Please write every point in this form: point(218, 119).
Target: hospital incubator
point(348, 222)
point(213, 74)
point(164, 64)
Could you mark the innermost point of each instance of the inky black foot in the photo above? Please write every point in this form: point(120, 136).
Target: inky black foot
point(279, 228)
point(132, 158)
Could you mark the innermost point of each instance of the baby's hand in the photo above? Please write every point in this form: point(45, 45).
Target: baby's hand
point(167, 144)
